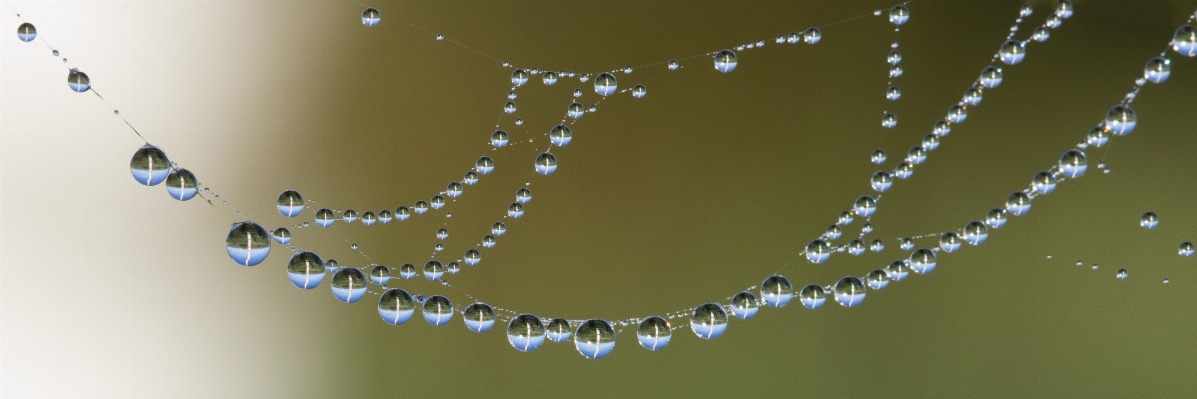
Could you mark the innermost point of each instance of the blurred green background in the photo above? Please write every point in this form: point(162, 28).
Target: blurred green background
point(697, 191)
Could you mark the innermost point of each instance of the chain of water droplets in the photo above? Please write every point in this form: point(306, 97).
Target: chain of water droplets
point(1029, 193)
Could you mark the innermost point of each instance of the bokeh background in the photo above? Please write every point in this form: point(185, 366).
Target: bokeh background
point(699, 190)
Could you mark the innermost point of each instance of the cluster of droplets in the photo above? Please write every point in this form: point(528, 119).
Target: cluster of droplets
point(248, 243)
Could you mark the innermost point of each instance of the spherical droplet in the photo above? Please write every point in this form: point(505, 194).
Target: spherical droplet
point(949, 242)
point(324, 217)
point(380, 274)
point(865, 206)
point(479, 317)
point(1018, 204)
point(515, 210)
point(370, 17)
point(972, 96)
point(149, 165)
point(1149, 220)
point(991, 77)
point(942, 128)
point(402, 213)
point(776, 291)
point(558, 330)
point(744, 305)
point(856, 247)
point(1097, 137)
point(1073, 164)
point(306, 270)
point(433, 270)
point(889, 120)
point(407, 271)
point(975, 232)
point(897, 270)
point(1044, 182)
point(1157, 69)
point(349, 284)
point(470, 178)
point(895, 71)
point(1012, 52)
point(818, 251)
point(833, 232)
point(420, 207)
point(290, 203)
point(654, 333)
point(472, 257)
point(546, 164)
point(957, 113)
point(525, 332)
point(519, 77)
point(395, 306)
point(485, 165)
point(1186, 249)
point(1041, 34)
point(550, 78)
point(561, 135)
point(605, 84)
point(673, 65)
point(996, 218)
point(906, 243)
point(708, 320)
point(639, 91)
point(498, 228)
point(181, 184)
point(877, 279)
point(247, 243)
point(499, 139)
point(881, 181)
point(281, 235)
point(438, 310)
point(1122, 274)
point(349, 216)
point(812, 35)
point(26, 32)
point(877, 245)
point(523, 195)
point(850, 291)
point(893, 93)
point(595, 338)
point(1064, 9)
point(878, 156)
point(725, 61)
point(1121, 119)
point(904, 170)
point(812, 296)
point(899, 14)
point(368, 218)
point(922, 261)
point(1184, 41)
point(575, 110)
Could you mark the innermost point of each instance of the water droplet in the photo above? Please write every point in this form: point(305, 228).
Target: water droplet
point(549, 78)
point(546, 164)
point(380, 274)
point(776, 291)
point(1012, 52)
point(1184, 41)
point(181, 185)
point(438, 310)
point(991, 77)
point(281, 235)
point(899, 14)
point(673, 65)
point(349, 284)
point(818, 251)
point(850, 291)
point(1122, 274)
point(725, 61)
point(889, 120)
point(893, 93)
point(349, 216)
point(865, 206)
point(595, 338)
point(370, 17)
point(877, 279)
point(27, 32)
point(1186, 249)
point(744, 305)
point(525, 332)
point(433, 270)
point(395, 306)
point(558, 330)
point(1018, 204)
point(975, 233)
point(498, 228)
point(407, 271)
point(472, 257)
point(1149, 220)
point(1073, 164)
point(654, 332)
point(812, 36)
point(1157, 69)
point(485, 165)
point(1121, 119)
point(247, 243)
point(519, 77)
point(306, 270)
point(639, 91)
point(605, 84)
